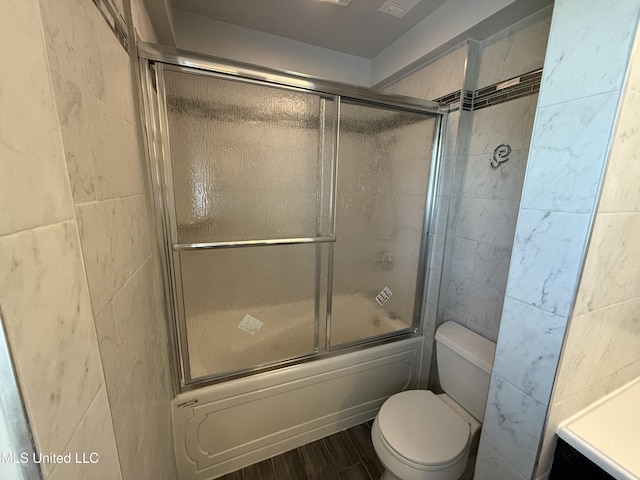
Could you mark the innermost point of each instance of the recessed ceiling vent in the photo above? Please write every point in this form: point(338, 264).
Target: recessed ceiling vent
point(398, 8)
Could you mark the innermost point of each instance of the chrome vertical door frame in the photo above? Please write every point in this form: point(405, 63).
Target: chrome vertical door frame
point(319, 214)
point(330, 260)
point(326, 176)
point(158, 147)
point(172, 228)
point(437, 160)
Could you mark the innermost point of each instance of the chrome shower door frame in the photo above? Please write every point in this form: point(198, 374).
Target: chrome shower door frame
point(153, 60)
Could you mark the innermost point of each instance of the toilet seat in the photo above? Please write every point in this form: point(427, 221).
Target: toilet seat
point(421, 430)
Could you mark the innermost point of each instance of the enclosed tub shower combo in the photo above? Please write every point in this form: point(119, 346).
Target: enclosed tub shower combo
point(294, 217)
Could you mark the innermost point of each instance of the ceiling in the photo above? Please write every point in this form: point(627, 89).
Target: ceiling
point(358, 29)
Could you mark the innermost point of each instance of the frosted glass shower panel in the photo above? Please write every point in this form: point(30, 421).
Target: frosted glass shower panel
point(246, 307)
point(382, 183)
point(248, 161)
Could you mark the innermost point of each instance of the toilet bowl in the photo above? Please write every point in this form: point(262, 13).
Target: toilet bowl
point(422, 436)
point(419, 437)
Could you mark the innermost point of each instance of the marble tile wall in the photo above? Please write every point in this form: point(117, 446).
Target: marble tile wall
point(40, 195)
point(486, 207)
point(566, 161)
point(44, 295)
point(485, 221)
point(439, 77)
point(80, 286)
point(500, 58)
point(602, 347)
point(93, 89)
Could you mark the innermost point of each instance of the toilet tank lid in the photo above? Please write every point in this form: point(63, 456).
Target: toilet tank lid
point(476, 349)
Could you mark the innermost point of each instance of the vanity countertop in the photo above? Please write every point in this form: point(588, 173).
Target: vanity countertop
point(608, 432)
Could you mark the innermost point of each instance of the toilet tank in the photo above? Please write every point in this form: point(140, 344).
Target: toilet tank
point(464, 364)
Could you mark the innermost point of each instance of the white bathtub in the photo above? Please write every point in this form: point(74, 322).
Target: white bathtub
point(221, 428)
point(216, 344)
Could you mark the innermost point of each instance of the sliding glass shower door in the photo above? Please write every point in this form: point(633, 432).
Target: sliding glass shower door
point(294, 220)
point(384, 170)
point(251, 178)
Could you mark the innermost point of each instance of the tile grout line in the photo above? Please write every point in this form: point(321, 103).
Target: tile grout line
point(364, 465)
point(325, 449)
point(330, 458)
point(360, 461)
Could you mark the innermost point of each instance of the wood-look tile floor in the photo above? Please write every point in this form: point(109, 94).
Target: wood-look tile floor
point(346, 455)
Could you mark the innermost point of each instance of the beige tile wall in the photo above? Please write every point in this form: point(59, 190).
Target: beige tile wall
point(95, 97)
point(576, 113)
point(602, 346)
point(76, 245)
point(502, 55)
point(440, 77)
point(44, 295)
point(484, 221)
point(34, 189)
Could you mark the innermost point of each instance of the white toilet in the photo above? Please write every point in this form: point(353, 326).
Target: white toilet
point(421, 436)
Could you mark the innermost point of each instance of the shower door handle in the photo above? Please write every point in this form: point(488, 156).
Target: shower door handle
point(252, 243)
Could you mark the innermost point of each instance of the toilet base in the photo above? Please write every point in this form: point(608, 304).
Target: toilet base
point(388, 476)
point(467, 475)
point(399, 470)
